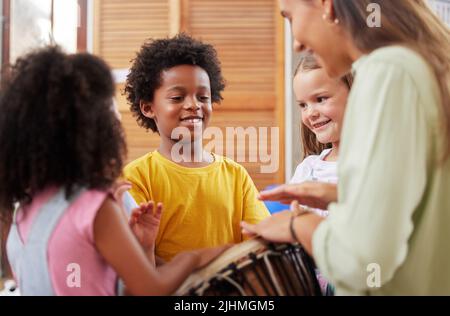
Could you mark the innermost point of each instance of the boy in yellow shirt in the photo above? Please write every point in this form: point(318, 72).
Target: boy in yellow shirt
point(171, 87)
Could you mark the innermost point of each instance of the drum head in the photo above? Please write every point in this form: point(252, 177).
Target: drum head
point(235, 254)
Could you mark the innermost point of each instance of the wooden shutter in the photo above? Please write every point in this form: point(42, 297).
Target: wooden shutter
point(244, 33)
point(122, 27)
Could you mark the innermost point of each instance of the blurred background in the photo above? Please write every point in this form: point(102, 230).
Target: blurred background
point(249, 36)
point(252, 40)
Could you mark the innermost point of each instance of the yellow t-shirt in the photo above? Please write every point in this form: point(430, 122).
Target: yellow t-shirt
point(203, 206)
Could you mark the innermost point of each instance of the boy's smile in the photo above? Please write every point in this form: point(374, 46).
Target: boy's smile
point(192, 120)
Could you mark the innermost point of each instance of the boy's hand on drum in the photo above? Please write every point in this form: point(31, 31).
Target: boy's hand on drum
point(274, 228)
point(312, 194)
point(144, 222)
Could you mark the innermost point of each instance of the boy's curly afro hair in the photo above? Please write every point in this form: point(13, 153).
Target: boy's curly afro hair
point(58, 126)
point(158, 55)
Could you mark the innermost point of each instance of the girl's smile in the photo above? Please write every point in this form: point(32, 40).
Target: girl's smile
point(321, 125)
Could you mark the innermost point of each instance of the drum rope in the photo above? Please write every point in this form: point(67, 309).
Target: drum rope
point(200, 290)
point(271, 272)
point(232, 282)
point(254, 263)
point(299, 269)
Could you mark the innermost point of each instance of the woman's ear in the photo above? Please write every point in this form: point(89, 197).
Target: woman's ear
point(147, 109)
point(328, 9)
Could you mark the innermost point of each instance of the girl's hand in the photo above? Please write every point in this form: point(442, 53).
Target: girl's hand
point(206, 255)
point(312, 194)
point(144, 222)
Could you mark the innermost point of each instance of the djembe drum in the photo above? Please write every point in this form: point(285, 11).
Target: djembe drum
point(257, 268)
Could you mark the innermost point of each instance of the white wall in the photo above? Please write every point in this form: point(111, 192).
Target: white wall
point(442, 8)
point(30, 26)
point(293, 150)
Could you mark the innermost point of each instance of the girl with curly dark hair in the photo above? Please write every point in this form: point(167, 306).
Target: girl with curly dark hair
point(61, 150)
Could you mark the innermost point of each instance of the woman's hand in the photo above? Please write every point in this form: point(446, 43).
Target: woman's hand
point(312, 194)
point(274, 228)
point(144, 222)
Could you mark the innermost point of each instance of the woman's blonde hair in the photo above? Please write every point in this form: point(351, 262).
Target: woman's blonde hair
point(410, 23)
point(310, 144)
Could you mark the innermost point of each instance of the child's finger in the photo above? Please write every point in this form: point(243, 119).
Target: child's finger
point(132, 221)
point(142, 208)
point(146, 207)
point(155, 216)
point(134, 211)
point(159, 209)
point(137, 213)
point(150, 207)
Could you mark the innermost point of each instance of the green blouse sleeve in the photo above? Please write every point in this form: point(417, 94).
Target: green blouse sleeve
point(382, 178)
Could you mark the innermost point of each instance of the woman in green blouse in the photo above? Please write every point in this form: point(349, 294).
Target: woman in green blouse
point(388, 231)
